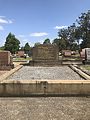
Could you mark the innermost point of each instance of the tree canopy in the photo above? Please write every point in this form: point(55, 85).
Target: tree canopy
point(47, 41)
point(27, 47)
point(84, 28)
point(12, 43)
point(71, 37)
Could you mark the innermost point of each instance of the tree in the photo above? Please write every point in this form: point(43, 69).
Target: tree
point(27, 47)
point(63, 39)
point(37, 43)
point(2, 48)
point(46, 41)
point(84, 27)
point(12, 43)
point(61, 43)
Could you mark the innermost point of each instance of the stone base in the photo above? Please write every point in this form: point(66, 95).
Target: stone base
point(45, 63)
point(6, 67)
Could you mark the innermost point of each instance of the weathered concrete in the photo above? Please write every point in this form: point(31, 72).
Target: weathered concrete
point(8, 73)
point(84, 75)
point(48, 88)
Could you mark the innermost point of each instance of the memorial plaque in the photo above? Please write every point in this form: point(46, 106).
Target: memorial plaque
point(45, 52)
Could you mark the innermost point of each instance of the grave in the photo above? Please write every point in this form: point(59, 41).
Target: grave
point(45, 55)
point(6, 62)
point(85, 55)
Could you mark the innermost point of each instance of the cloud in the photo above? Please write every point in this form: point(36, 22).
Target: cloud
point(10, 21)
point(38, 34)
point(60, 27)
point(1, 27)
point(4, 20)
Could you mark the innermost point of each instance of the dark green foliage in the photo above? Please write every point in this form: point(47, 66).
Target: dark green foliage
point(2, 48)
point(46, 41)
point(70, 38)
point(61, 43)
point(12, 43)
point(66, 38)
point(27, 47)
point(37, 43)
point(84, 28)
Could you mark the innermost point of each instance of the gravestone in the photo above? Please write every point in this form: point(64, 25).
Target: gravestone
point(87, 54)
point(45, 54)
point(6, 62)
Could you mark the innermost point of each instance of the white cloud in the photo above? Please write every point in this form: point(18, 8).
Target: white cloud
point(1, 27)
point(10, 21)
point(3, 20)
point(60, 27)
point(38, 34)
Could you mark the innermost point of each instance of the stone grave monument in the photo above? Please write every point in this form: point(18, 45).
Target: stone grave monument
point(6, 62)
point(45, 55)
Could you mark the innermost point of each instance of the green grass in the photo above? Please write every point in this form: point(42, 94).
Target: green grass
point(86, 67)
point(22, 59)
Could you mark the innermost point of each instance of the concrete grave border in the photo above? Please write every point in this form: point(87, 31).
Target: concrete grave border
point(42, 87)
point(45, 88)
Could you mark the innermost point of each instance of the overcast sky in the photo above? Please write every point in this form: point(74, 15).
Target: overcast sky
point(35, 20)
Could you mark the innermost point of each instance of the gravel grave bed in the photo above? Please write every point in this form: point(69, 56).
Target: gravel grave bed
point(2, 72)
point(49, 73)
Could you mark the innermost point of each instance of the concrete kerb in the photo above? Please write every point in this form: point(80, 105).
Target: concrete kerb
point(44, 88)
point(81, 73)
point(8, 73)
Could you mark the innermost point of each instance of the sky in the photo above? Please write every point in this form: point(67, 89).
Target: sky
point(36, 20)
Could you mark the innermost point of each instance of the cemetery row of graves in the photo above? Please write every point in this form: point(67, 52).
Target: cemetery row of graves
point(46, 56)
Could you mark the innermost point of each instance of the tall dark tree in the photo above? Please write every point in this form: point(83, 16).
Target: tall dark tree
point(63, 39)
point(84, 27)
point(27, 47)
point(61, 43)
point(12, 43)
point(47, 41)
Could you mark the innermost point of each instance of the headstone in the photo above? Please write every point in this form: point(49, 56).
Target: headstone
point(87, 56)
point(21, 54)
point(67, 53)
point(6, 61)
point(45, 53)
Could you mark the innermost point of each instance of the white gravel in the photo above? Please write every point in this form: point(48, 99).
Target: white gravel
point(53, 73)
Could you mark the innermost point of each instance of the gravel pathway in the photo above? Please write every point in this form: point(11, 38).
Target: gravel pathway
point(53, 73)
point(50, 108)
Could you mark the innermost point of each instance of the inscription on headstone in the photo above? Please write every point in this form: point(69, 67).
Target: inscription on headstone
point(45, 52)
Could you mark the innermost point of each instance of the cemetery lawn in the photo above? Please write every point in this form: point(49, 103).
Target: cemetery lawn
point(86, 67)
point(22, 59)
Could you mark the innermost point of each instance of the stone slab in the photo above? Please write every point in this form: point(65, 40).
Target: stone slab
point(45, 52)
